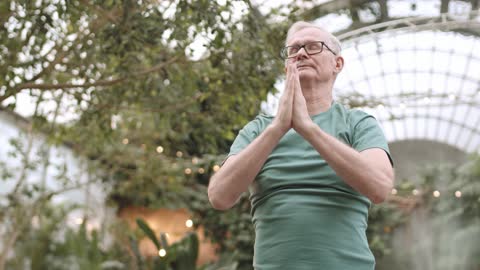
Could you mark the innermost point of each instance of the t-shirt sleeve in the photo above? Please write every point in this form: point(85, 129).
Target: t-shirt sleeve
point(368, 134)
point(245, 136)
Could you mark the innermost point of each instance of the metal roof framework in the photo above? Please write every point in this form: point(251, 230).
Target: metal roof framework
point(419, 76)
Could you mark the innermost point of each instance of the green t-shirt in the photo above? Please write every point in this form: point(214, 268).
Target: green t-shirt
point(305, 216)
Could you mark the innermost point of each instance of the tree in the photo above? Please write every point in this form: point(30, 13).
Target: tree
point(32, 179)
point(153, 118)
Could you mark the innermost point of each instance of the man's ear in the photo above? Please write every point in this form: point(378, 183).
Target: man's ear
point(339, 63)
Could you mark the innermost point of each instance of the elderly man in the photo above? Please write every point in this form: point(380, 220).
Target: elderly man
point(312, 170)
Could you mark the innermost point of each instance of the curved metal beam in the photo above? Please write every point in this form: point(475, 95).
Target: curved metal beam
point(467, 146)
point(444, 22)
point(329, 7)
point(351, 8)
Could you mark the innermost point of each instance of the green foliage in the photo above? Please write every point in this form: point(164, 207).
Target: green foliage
point(232, 229)
point(52, 244)
point(148, 232)
point(384, 219)
point(129, 69)
point(226, 262)
point(181, 255)
point(444, 230)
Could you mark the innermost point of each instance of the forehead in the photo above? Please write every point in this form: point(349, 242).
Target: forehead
point(307, 35)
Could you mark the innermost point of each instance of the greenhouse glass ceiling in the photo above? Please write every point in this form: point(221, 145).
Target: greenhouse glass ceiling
point(419, 77)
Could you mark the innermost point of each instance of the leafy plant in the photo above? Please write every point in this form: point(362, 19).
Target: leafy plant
point(181, 255)
point(438, 228)
point(53, 244)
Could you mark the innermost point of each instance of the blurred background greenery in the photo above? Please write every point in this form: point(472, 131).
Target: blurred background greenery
point(121, 86)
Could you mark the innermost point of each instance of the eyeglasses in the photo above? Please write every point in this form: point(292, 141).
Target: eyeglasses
point(310, 48)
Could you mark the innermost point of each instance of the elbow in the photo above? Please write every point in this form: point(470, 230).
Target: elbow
point(378, 198)
point(217, 202)
point(382, 192)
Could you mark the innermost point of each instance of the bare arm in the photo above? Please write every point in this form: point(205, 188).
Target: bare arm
point(239, 171)
point(368, 172)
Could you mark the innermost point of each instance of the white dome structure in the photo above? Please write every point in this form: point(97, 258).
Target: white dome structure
point(419, 76)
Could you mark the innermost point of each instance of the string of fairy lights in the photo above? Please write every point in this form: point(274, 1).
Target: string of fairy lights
point(179, 154)
point(435, 193)
point(162, 252)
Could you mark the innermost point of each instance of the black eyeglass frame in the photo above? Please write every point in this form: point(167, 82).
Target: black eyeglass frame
point(284, 55)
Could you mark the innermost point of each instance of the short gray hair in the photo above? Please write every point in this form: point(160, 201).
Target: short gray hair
point(300, 25)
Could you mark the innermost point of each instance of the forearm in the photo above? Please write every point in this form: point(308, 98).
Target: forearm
point(240, 170)
point(354, 168)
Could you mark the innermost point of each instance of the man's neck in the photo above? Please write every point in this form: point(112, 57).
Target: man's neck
point(318, 97)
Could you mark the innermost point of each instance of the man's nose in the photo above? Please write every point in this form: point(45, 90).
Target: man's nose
point(302, 53)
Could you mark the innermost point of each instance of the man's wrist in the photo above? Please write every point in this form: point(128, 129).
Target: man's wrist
point(276, 130)
point(308, 130)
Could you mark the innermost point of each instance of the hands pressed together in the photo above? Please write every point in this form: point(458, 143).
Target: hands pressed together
point(292, 110)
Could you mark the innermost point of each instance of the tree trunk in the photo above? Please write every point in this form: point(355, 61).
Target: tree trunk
point(475, 4)
point(383, 10)
point(8, 246)
point(444, 6)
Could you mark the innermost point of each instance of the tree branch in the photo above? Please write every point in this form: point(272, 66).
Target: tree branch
point(47, 86)
point(159, 109)
point(101, 12)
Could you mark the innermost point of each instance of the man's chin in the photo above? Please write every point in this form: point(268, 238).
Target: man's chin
point(305, 72)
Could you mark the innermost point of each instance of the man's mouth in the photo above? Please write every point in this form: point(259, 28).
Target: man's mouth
point(302, 64)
